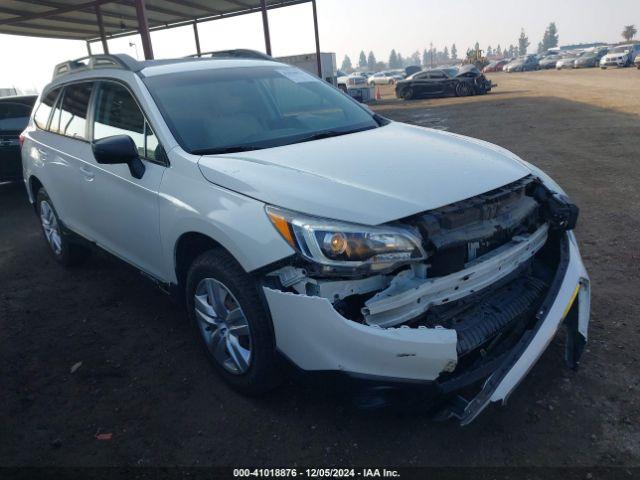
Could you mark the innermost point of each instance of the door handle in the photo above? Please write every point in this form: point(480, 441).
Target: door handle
point(87, 173)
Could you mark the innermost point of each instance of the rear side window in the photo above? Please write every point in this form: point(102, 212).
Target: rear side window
point(117, 113)
point(44, 109)
point(73, 111)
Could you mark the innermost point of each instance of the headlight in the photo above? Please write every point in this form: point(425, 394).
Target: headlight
point(341, 247)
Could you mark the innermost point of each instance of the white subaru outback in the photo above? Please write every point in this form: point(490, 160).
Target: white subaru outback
point(300, 228)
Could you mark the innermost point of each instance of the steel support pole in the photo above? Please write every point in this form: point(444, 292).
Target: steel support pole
point(265, 26)
point(315, 26)
point(103, 38)
point(143, 28)
point(196, 35)
point(89, 47)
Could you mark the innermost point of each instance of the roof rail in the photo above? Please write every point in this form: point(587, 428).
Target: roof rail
point(237, 53)
point(92, 62)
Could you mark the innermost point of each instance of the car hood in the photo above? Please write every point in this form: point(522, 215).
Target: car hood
point(370, 177)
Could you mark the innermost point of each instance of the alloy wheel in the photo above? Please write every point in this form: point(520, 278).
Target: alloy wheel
point(223, 326)
point(50, 227)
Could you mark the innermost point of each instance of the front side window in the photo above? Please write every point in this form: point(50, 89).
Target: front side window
point(73, 111)
point(248, 108)
point(41, 117)
point(117, 113)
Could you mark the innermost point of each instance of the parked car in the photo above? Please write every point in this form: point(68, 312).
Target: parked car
point(590, 59)
point(548, 62)
point(523, 63)
point(566, 61)
point(410, 70)
point(14, 117)
point(620, 56)
point(384, 78)
point(495, 66)
point(467, 80)
point(637, 61)
point(356, 86)
point(301, 228)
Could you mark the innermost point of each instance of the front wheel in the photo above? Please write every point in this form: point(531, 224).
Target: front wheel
point(463, 90)
point(231, 323)
point(63, 249)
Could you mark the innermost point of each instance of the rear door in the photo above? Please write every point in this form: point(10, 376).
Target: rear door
point(63, 148)
point(122, 211)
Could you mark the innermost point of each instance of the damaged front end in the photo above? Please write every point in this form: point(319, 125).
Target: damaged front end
point(453, 296)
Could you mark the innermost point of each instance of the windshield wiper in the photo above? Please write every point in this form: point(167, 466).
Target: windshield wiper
point(332, 133)
point(222, 151)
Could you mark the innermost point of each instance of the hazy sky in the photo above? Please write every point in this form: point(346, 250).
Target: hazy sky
point(348, 26)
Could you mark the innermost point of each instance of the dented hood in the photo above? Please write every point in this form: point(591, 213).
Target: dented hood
point(370, 177)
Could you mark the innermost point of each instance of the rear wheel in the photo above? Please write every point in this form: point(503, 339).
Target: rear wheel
point(233, 326)
point(63, 249)
point(408, 94)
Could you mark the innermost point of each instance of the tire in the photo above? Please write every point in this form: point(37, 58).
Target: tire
point(66, 252)
point(463, 90)
point(260, 370)
point(408, 94)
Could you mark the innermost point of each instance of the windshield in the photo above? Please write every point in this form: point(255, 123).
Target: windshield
point(248, 108)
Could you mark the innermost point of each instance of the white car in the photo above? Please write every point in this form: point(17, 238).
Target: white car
point(299, 227)
point(384, 78)
point(620, 56)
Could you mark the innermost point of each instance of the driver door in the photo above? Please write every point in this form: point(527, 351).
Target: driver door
point(122, 211)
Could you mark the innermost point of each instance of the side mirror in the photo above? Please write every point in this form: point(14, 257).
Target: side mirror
point(116, 150)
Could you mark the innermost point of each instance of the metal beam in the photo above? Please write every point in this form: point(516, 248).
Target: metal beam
point(103, 39)
point(315, 27)
point(143, 28)
point(265, 26)
point(197, 37)
point(89, 48)
point(285, 3)
point(50, 13)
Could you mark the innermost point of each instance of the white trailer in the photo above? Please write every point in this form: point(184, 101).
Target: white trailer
point(309, 63)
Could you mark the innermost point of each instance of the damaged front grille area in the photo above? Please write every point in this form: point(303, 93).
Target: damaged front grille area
point(461, 232)
point(485, 319)
point(489, 259)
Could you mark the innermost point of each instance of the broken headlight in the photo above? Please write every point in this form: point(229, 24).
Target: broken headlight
point(341, 247)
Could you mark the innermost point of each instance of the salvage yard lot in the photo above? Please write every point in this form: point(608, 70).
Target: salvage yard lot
point(144, 379)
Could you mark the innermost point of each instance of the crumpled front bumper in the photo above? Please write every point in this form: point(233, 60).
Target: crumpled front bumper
point(315, 337)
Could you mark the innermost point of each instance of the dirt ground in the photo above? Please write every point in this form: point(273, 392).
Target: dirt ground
point(144, 379)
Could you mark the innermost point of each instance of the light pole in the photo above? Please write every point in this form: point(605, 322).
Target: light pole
point(132, 44)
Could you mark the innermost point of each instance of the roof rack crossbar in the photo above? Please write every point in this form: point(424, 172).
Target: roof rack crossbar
point(93, 62)
point(240, 53)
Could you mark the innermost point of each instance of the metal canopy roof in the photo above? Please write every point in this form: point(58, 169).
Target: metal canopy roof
point(80, 19)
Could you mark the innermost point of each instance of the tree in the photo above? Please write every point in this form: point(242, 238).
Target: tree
point(550, 38)
point(400, 61)
point(498, 51)
point(629, 32)
point(454, 52)
point(362, 61)
point(523, 43)
point(445, 54)
point(489, 51)
point(347, 67)
point(393, 59)
point(425, 58)
point(371, 61)
point(414, 59)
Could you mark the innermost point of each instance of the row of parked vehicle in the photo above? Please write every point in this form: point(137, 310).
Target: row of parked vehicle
point(604, 57)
